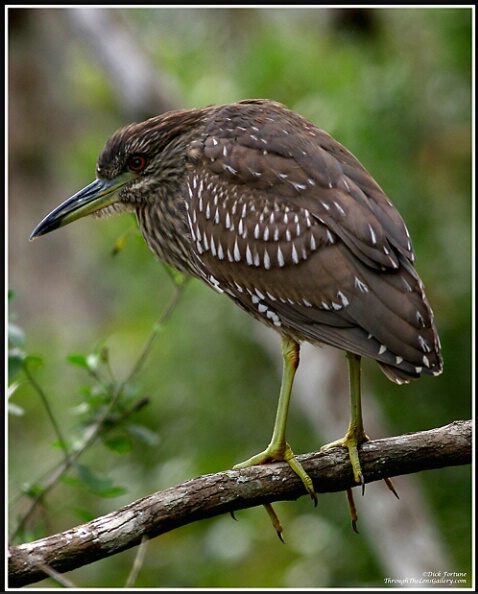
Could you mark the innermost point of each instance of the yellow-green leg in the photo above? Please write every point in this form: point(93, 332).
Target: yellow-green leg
point(355, 434)
point(279, 449)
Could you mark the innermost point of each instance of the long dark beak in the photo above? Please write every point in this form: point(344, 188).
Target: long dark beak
point(99, 194)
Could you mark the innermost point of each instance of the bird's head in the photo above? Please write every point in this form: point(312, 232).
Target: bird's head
point(138, 163)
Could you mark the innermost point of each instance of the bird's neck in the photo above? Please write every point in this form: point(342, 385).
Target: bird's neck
point(164, 227)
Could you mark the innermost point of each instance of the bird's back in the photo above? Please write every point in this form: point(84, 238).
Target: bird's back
point(290, 225)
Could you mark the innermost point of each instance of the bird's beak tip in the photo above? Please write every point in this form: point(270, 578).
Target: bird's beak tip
point(99, 194)
point(35, 234)
point(49, 223)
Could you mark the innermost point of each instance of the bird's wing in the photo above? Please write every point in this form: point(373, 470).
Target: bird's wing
point(299, 235)
point(266, 147)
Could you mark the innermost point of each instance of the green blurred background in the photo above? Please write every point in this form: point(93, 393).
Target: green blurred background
point(393, 86)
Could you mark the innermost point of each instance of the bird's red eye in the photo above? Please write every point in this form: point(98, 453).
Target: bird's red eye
point(137, 163)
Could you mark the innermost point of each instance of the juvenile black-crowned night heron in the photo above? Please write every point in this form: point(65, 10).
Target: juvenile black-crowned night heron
point(268, 209)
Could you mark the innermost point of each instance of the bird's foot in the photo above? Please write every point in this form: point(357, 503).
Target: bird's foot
point(353, 438)
point(282, 454)
point(351, 441)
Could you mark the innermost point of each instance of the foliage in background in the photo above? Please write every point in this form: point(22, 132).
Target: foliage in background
point(397, 94)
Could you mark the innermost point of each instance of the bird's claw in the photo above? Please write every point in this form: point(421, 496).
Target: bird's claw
point(351, 442)
point(352, 510)
point(275, 521)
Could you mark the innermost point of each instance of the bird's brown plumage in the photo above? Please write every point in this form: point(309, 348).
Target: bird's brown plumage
point(264, 206)
point(267, 208)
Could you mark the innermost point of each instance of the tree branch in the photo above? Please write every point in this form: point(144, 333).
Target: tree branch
point(214, 494)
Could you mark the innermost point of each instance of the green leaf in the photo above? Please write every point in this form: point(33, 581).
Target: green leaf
point(32, 490)
point(73, 481)
point(99, 485)
point(15, 362)
point(144, 434)
point(177, 277)
point(121, 444)
point(78, 359)
point(61, 445)
point(33, 362)
point(84, 515)
point(90, 362)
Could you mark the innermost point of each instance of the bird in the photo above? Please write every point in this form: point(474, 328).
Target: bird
point(270, 210)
